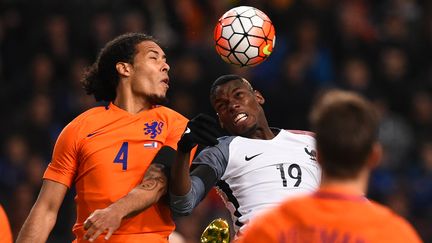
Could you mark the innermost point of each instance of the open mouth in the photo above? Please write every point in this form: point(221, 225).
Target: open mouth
point(240, 117)
point(166, 81)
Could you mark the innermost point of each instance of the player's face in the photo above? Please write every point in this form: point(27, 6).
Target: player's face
point(149, 78)
point(239, 108)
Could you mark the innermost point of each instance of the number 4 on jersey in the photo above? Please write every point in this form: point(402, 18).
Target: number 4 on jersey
point(122, 156)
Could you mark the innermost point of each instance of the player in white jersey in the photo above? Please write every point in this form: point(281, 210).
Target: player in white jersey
point(255, 169)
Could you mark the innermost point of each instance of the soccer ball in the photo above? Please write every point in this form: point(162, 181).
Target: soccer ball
point(244, 36)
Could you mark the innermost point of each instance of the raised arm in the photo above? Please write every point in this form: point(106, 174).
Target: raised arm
point(153, 186)
point(187, 191)
point(180, 180)
point(149, 191)
point(43, 215)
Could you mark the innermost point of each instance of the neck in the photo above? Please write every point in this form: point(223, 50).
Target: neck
point(356, 185)
point(264, 133)
point(129, 102)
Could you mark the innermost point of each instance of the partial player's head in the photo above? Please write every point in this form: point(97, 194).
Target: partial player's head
point(238, 105)
point(346, 127)
point(135, 58)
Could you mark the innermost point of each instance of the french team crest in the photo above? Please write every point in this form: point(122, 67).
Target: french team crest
point(154, 128)
point(311, 153)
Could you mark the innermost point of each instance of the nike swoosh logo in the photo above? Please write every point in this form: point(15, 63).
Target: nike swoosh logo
point(187, 130)
point(266, 50)
point(253, 156)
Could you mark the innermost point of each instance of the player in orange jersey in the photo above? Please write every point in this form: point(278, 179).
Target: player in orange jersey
point(346, 132)
point(5, 230)
point(107, 152)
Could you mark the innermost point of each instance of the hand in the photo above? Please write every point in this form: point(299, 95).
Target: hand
point(100, 221)
point(203, 130)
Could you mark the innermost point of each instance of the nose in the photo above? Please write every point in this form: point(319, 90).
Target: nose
point(165, 67)
point(233, 105)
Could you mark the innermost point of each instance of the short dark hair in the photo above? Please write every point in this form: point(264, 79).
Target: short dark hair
point(225, 79)
point(101, 78)
point(346, 127)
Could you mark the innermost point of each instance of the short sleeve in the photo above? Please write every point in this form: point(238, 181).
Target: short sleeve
point(64, 162)
point(177, 127)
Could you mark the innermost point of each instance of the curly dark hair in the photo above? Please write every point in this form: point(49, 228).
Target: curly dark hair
point(101, 78)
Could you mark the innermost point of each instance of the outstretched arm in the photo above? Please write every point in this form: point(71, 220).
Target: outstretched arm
point(180, 183)
point(152, 187)
point(43, 215)
point(187, 190)
point(148, 192)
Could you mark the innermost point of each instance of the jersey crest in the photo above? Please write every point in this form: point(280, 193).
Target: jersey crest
point(311, 153)
point(153, 128)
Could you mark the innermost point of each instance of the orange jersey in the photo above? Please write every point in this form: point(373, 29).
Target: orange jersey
point(330, 215)
point(105, 152)
point(5, 230)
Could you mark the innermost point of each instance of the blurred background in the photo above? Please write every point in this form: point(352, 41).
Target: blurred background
point(381, 49)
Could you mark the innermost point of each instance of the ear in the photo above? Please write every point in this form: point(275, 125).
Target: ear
point(375, 156)
point(124, 68)
point(259, 97)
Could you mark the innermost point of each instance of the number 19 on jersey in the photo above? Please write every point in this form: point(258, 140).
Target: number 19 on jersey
point(293, 171)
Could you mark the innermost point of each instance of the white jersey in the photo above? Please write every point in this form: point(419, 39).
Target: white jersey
point(256, 174)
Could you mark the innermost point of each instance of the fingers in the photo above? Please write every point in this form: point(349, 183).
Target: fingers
point(87, 224)
point(108, 235)
point(89, 221)
point(89, 233)
point(201, 128)
point(95, 235)
point(204, 130)
point(206, 139)
point(93, 227)
point(93, 231)
point(204, 135)
point(100, 221)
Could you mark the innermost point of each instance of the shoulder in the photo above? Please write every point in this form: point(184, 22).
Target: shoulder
point(222, 148)
point(297, 136)
point(261, 231)
point(393, 220)
point(226, 139)
point(167, 110)
point(225, 144)
point(92, 113)
point(300, 132)
point(169, 113)
point(88, 117)
point(217, 154)
point(382, 210)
